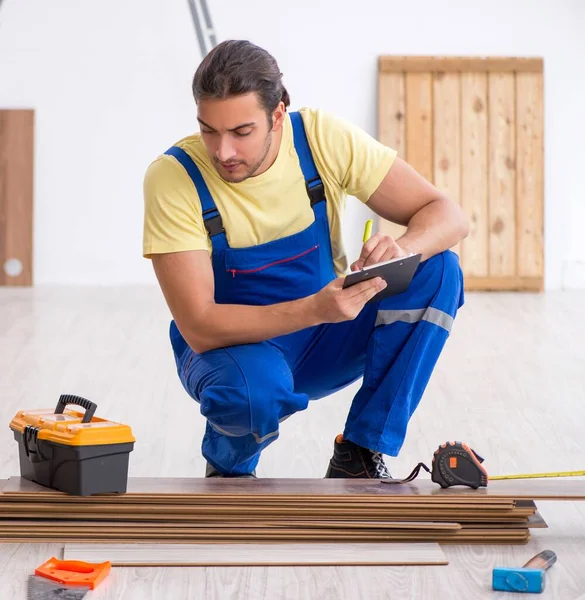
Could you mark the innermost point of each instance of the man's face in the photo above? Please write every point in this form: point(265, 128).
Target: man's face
point(238, 135)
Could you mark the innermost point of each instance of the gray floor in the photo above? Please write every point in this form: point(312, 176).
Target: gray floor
point(510, 383)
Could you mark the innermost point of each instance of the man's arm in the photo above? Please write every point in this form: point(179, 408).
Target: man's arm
point(434, 222)
point(186, 280)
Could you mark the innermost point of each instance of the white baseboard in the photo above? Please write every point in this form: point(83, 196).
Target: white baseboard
point(574, 274)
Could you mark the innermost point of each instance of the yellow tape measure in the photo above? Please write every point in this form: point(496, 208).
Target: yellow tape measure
point(539, 475)
point(456, 463)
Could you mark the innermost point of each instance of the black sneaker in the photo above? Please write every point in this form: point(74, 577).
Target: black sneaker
point(213, 472)
point(350, 460)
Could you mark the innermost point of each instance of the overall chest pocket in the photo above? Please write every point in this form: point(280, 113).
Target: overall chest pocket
point(278, 271)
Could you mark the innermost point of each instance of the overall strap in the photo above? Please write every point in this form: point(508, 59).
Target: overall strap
point(211, 217)
point(313, 182)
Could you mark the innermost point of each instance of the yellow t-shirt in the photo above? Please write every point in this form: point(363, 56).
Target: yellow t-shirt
point(268, 206)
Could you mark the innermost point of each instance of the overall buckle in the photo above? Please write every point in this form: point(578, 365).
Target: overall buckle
point(214, 225)
point(316, 190)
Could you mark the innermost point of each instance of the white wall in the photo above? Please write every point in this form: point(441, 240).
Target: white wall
point(110, 82)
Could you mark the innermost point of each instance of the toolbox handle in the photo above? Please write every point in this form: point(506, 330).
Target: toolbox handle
point(65, 399)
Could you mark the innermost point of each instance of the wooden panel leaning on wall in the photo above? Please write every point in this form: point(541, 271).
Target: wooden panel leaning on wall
point(16, 197)
point(474, 128)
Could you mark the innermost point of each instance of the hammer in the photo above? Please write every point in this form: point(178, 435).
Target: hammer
point(529, 578)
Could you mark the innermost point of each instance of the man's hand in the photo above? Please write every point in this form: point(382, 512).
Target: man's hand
point(333, 304)
point(186, 279)
point(378, 248)
point(434, 223)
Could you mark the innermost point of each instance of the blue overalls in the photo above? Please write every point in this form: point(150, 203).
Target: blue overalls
point(244, 391)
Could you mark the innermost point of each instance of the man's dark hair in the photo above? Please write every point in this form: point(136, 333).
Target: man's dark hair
point(237, 67)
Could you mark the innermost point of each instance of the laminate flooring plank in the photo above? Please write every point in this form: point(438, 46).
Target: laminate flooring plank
point(461, 536)
point(259, 504)
point(97, 518)
point(104, 512)
point(143, 511)
point(258, 554)
point(495, 504)
point(532, 522)
point(37, 525)
point(366, 490)
point(239, 511)
point(325, 513)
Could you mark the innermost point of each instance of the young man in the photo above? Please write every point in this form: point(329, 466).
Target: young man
point(243, 226)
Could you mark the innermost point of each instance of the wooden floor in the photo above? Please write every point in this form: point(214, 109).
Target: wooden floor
point(511, 382)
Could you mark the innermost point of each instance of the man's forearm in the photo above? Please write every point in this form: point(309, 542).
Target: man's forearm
point(436, 227)
point(231, 324)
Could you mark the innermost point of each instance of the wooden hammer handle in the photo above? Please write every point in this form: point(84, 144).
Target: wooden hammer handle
point(543, 560)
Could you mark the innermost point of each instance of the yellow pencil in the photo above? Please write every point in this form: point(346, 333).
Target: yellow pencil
point(367, 230)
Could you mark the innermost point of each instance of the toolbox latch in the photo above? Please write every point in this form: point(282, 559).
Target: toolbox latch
point(30, 441)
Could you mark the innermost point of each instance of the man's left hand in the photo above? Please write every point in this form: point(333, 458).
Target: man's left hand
point(378, 248)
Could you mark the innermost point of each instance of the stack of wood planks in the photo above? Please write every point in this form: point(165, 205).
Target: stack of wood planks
point(280, 510)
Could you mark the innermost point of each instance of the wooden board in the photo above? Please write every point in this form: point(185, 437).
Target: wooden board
point(258, 554)
point(474, 173)
point(535, 521)
point(419, 126)
point(161, 518)
point(520, 538)
point(529, 174)
point(446, 136)
point(272, 535)
point(21, 524)
point(463, 536)
point(391, 111)
point(250, 509)
point(486, 536)
point(392, 130)
point(59, 527)
point(469, 517)
point(459, 64)
point(297, 492)
point(359, 490)
point(502, 171)
point(502, 284)
point(16, 197)
point(249, 533)
point(259, 502)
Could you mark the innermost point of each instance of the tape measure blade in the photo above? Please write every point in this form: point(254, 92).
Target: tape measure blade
point(539, 475)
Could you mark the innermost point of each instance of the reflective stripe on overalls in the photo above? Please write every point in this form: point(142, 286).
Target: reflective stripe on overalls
point(245, 391)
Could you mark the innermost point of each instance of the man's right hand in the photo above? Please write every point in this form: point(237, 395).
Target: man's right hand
point(333, 304)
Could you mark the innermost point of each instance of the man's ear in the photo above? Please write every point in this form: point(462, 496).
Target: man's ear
point(278, 116)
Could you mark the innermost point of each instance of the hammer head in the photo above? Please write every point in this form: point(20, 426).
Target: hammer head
point(518, 580)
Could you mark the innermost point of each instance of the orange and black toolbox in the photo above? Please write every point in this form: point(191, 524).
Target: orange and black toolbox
point(72, 451)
